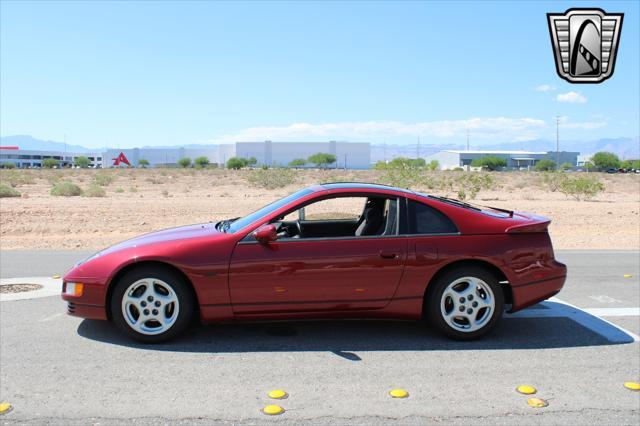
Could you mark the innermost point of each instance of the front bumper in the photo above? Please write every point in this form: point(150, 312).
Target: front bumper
point(90, 304)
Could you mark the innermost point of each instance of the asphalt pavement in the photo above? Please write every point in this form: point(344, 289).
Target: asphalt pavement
point(58, 369)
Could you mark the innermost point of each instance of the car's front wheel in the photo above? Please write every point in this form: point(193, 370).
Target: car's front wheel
point(152, 304)
point(465, 303)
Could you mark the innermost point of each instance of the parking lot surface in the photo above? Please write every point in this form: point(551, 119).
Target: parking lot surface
point(577, 350)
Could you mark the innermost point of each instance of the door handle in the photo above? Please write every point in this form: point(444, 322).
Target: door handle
point(388, 255)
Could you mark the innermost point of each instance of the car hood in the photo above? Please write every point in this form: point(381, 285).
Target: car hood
point(165, 236)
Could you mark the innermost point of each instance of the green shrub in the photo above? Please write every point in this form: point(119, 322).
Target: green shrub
point(119, 190)
point(50, 163)
point(322, 159)
point(297, 162)
point(66, 189)
point(95, 191)
point(237, 163)
point(630, 164)
point(271, 178)
point(102, 179)
point(7, 165)
point(433, 165)
point(566, 166)
point(82, 162)
point(201, 162)
point(7, 191)
point(605, 160)
point(184, 162)
point(403, 175)
point(581, 187)
point(143, 163)
point(545, 165)
point(490, 162)
point(468, 185)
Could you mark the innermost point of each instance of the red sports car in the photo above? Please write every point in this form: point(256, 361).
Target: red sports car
point(336, 250)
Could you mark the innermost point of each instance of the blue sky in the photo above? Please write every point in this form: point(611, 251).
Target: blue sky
point(142, 73)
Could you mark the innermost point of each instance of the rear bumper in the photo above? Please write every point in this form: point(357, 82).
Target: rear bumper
point(530, 293)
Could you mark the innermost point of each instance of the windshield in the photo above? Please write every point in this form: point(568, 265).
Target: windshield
point(266, 210)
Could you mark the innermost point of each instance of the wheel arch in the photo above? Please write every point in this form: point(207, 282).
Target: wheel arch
point(496, 271)
point(134, 265)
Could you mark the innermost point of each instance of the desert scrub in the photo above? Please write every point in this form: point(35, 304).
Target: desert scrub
point(95, 191)
point(66, 189)
point(403, 175)
point(16, 178)
point(133, 189)
point(581, 187)
point(465, 185)
point(119, 190)
point(102, 179)
point(7, 191)
point(155, 180)
point(553, 180)
point(271, 178)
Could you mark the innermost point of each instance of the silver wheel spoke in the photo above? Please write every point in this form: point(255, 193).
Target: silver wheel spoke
point(464, 309)
point(155, 292)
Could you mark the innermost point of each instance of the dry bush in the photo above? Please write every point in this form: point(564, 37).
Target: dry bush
point(271, 178)
point(95, 191)
point(66, 189)
point(7, 191)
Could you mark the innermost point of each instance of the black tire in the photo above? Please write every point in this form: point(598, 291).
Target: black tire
point(432, 304)
point(183, 292)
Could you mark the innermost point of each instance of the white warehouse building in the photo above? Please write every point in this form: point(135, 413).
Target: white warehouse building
point(451, 159)
point(273, 154)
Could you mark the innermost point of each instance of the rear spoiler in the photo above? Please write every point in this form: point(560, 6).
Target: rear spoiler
point(541, 224)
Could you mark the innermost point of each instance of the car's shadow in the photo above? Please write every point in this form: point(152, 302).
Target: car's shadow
point(347, 338)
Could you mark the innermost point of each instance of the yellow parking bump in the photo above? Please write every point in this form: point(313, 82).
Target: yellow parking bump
point(5, 407)
point(634, 386)
point(273, 410)
point(277, 394)
point(526, 389)
point(398, 393)
point(627, 275)
point(56, 277)
point(537, 402)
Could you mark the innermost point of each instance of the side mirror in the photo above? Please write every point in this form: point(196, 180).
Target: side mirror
point(265, 234)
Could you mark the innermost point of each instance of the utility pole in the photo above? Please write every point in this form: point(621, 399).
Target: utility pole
point(557, 142)
point(467, 139)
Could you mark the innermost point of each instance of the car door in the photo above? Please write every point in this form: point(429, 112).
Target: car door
point(316, 274)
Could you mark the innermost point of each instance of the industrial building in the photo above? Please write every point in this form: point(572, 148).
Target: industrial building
point(451, 159)
point(273, 154)
point(27, 158)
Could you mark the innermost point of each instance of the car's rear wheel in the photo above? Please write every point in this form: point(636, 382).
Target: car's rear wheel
point(465, 303)
point(152, 304)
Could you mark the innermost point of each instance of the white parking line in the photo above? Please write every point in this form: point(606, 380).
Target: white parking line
point(588, 318)
point(50, 287)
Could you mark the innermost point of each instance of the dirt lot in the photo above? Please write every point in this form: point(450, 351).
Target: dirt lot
point(139, 201)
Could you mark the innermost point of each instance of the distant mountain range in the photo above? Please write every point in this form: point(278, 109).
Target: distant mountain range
point(624, 147)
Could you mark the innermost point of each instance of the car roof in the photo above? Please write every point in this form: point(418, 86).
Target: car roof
point(363, 185)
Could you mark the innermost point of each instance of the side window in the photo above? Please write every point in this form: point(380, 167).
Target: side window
point(424, 219)
point(342, 208)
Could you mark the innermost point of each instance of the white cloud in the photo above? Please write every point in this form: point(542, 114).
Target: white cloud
point(566, 123)
point(491, 128)
point(545, 88)
point(571, 97)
